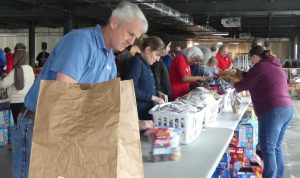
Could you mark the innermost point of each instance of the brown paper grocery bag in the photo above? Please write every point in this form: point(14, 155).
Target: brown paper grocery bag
point(86, 131)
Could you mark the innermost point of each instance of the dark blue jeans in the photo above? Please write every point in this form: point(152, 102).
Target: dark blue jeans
point(22, 138)
point(272, 127)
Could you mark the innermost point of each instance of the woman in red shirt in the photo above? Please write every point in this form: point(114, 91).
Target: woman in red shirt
point(224, 61)
point(180, 71)
point(9, 60)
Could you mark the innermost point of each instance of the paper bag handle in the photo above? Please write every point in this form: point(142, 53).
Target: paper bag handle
point(85, 86)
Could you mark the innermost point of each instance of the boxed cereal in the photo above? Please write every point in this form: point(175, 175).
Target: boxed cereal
point(224, 163)
point(248, 136)
point(6, 123)
point(237, 155)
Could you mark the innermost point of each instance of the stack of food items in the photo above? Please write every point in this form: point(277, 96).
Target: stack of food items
point(236, 102)
point(189, 111)
point(165, 142)
point(219, 86)
point(180, 114)
point(243, 161)
point(6, 124)
point(222, 170)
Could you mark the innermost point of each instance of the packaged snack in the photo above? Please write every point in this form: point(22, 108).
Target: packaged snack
point(165, 143)
point(236, 102)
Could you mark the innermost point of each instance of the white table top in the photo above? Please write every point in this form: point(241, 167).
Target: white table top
point(230, 120)
point(199, 158)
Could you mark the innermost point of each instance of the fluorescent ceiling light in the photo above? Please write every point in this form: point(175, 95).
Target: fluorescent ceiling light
point(220, 33)
point(219, 43)
point(196, 44)
point(235, 43)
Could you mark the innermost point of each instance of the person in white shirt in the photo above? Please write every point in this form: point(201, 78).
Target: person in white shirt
point(18, 82)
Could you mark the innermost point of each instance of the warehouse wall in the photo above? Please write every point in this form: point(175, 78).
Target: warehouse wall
point(282, 49)
point(9, 38)
point(52, 36)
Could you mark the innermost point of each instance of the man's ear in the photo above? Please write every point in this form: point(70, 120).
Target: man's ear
point(113, 23)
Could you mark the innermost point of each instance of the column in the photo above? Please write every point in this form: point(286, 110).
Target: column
point(68, 24)
point(32, 44)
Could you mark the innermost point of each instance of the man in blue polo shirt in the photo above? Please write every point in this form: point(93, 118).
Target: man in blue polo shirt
point(81, 56)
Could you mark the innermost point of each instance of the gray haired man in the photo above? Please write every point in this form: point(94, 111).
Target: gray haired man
point(81, 56)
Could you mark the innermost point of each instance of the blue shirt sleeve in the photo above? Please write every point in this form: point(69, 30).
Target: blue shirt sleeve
point(167, 60)
point(133, 71)
point(71, 55)
point(113, 74)
point(2, 58)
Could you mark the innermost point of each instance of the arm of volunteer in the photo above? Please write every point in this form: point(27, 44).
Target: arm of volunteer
point(64, 78)
point(247, 83)
point(181, 69)
point(194, 78)
point(70, 57)
point(230, 65)
point(8, 80)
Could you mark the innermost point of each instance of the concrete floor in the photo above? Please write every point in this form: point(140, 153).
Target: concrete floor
point(5, 163)
point(291, 148)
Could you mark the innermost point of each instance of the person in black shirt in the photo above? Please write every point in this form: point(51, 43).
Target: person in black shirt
point(42, 58)
point(161, 73)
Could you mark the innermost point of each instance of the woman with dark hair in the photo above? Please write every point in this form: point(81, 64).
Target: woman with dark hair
point(138, 69)
point(18, 82)
point(266, 82)
point(161, 73)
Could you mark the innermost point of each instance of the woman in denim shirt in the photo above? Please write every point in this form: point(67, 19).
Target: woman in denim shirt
point(138, 69)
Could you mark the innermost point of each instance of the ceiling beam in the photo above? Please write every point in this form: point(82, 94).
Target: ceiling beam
point(231, 6)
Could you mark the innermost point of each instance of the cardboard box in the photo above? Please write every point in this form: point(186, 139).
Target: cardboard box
point(224, 163)
point(248, 136)
point(234, 142)
point(3, 136)
point(6, 123)
point(250, 152)
point(221, 174)
point(249, 172)
point(237, 154)
point(253, 168)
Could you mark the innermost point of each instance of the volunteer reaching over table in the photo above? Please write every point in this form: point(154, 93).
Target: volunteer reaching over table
point(81, 56)
point(267, 84)
point(180, 71)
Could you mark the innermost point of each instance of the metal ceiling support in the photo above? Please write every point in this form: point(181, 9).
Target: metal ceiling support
point(68, 24)
point(269, 21)
point(212, 1)
point(175, 17)
point(32, 44)
point(232, 6)
point(169, 12)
